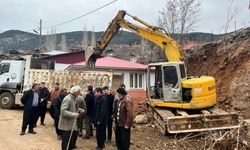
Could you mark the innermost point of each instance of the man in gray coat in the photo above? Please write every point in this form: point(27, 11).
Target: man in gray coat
point(68, 116)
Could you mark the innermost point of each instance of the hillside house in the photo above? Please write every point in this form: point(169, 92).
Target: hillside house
point(133, 75)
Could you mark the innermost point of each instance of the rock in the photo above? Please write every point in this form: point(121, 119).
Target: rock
point(245, 142)
point(246, 123)
point(141, 119)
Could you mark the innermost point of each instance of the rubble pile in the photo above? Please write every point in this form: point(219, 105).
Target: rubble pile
point(228, 60)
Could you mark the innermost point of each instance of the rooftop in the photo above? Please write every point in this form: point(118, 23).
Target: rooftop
point(111, 62)
point(54, 52)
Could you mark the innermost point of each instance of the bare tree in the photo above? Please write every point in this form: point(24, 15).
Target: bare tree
point(93, 42)
point(85, 38)
point(180, 16)
point(232, 12)
point(169, 17)
point(50, 42)
point(64, 43)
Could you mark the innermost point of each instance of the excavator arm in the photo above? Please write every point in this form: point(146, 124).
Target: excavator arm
point(172, 50)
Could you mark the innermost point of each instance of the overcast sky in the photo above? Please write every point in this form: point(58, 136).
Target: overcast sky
point(25, 14)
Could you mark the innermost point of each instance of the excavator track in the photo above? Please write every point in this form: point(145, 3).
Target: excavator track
point(171, 121)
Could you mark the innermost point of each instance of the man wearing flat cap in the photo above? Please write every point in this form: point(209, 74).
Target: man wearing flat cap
point(123, 115)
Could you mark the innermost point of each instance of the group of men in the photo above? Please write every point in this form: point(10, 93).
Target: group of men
point(35, 106)
point(99, 107)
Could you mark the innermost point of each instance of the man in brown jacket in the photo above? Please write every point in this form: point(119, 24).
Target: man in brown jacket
point(54, 93)
point(123, 115)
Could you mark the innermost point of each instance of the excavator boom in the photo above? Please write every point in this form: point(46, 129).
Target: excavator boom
point(171, 48)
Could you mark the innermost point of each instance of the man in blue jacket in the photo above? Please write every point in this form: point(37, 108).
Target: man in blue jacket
point(30, 100)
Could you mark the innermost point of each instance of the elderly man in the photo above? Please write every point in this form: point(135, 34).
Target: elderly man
point(123, 114)
point(67, 121)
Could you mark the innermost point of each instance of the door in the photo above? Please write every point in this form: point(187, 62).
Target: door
point(117, 80)
point(171, 83)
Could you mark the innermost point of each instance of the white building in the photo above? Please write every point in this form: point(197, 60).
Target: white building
point(133, 75)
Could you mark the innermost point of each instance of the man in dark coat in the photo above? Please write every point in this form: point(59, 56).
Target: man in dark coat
point(90, 104)
point(57, 109)
point(30, 100)
point(100, 118)
point(110, 100)
point(42, 107)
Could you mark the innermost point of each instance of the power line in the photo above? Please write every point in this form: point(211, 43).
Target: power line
point(81, 15)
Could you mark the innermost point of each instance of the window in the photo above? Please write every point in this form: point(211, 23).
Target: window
point(170, 76)
point(5, 67)
point(136, 80)
point(183, 71)
point(140, 80)
point(131, 81)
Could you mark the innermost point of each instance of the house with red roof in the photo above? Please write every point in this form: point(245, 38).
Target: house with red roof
point(131, 74)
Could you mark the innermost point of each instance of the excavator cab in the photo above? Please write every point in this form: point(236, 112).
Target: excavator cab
point(168, 86)
point(167, 81)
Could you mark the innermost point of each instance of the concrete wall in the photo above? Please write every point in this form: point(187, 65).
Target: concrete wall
point(137, 96)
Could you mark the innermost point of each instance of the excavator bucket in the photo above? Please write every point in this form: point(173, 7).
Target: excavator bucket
point(90, 57)
point(181, 122)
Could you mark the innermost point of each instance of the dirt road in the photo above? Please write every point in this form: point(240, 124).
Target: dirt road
point(143, 137)
point(45, 139)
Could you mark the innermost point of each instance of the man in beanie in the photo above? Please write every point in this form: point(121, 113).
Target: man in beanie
point(123, 115)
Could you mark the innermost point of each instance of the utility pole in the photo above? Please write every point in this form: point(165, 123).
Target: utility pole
point(39, 49)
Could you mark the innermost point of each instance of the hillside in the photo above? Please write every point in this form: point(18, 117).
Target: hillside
point(228, 61)
point(20, 40)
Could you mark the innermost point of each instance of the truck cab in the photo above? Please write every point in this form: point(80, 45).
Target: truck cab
point(11, 79)
point(11, 71)
point(14, 77)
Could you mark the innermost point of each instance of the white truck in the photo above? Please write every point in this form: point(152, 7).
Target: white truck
point(17, 76)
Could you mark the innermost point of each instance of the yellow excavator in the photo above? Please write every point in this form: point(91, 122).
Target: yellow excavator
point(178, 103)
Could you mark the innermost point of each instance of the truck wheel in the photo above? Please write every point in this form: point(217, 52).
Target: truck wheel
point(6, 100)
